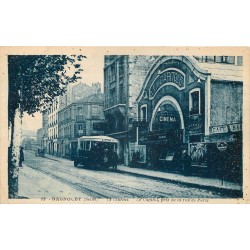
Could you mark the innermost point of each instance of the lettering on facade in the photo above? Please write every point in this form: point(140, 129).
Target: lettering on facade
point(219, 129)
point(169, 76)
point(225, 128)
point(167, 118)
point(235, 127)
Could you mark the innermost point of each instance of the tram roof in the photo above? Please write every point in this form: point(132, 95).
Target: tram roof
point(102, 138)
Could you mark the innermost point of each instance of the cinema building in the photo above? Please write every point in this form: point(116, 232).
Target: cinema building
point(193, 104)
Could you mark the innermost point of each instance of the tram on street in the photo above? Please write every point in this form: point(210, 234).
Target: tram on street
point(96, 152)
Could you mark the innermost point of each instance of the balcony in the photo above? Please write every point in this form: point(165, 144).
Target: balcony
point(119, 108)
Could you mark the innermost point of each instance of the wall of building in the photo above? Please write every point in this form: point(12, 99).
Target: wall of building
point(226, 103)
point(138, 67)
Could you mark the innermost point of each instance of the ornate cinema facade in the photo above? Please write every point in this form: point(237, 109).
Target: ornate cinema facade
point(193, 103)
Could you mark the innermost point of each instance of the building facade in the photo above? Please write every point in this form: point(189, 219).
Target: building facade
point(80, 118)
point(52, 145)
point(74, 92)
point(192, 103)
point(123, 79)
point(44, 141)
point(78, 91)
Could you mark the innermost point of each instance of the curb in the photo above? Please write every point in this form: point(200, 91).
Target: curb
point(233, 193)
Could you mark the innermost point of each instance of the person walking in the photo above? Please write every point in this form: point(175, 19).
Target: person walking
point(21, 159)
point(186, 162)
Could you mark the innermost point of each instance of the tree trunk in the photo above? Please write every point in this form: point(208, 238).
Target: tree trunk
point(14, 153)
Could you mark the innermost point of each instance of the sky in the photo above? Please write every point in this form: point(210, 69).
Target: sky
point(93, 72)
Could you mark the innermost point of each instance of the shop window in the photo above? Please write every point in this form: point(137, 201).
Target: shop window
point(194, 102)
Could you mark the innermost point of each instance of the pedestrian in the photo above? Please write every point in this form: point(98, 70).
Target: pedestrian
point(114, 159)
point(186, 162)
point(21, 159)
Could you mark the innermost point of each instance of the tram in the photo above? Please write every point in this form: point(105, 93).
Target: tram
point(96, 152)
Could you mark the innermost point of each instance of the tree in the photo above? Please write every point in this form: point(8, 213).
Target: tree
point(34, 81)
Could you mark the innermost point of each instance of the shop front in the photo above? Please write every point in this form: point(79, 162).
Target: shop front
point(224, 146)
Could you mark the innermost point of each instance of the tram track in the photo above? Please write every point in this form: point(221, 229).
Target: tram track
point(111, 184)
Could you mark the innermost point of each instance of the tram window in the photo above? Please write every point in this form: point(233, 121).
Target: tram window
point(81, 144)
point(87, 145)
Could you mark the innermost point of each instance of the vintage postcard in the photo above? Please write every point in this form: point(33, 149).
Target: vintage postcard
point(124, 124)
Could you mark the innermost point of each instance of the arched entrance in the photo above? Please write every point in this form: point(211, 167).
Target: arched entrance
point(167, 114)
point(167, 133)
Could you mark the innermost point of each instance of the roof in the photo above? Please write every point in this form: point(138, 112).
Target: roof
point(223, 72)
point(102, 138)
point(92, 98)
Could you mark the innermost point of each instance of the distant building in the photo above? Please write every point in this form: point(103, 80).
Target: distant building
point(74, 93)
point(39, 136)
point(123, 80)
point(78, 91)
point(81, 117)
point(29, 143)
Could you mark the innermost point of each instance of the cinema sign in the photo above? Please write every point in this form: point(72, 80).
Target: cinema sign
point(171, 76)
point(163, 118)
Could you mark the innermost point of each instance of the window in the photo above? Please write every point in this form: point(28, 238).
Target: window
point(194, 102)
point(224, 59)
point(144, 112)
point(80, 127)
point(79, 111)
point(121, 68)
point(95, 110)
point(87, 145)
point(113, 72)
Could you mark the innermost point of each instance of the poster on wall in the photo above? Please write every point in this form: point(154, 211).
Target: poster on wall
point(131, 148)
point(198, 154)
point(141, 151)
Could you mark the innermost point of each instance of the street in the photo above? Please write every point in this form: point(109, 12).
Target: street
point(51, 176)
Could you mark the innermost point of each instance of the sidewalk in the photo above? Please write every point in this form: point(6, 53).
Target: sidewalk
point(194, 181)
point(35, 185)
point(191, 181)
